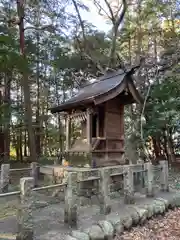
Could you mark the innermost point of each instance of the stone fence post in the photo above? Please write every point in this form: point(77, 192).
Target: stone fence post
point(25, 218)
point(128, 185)
point(149, 176)
point(104, 191)
point(164, 175)
point(34, 173)
point(70, 210)
point(4, 179)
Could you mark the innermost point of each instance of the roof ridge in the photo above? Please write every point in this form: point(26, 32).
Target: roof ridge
point(114, 75)
point(101, 80)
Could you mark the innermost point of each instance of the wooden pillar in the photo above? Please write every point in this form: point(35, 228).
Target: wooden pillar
point(97, 126)
point(68, 125)
point(122, 121)
point(122, 126)
point(89, 128)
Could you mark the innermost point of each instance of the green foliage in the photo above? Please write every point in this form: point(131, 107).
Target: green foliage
point(59, 59)
point(163, 106)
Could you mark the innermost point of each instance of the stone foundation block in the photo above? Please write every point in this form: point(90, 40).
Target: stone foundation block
point(177, 200)
point(119, 228)
point(68, 237)
point(142, 213)
point(165, 201)
point(113, 218)
point(107, 228)
point(161, 205)
point(123, 219)
point(134, 214)
point(127, 221)
point(80, 235)
point(96, 233)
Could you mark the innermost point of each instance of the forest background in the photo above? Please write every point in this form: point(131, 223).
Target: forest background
point(50, 48)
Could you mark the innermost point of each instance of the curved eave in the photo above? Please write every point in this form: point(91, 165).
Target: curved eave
point(110, 94)
point(137, 97)
point(127, 83)
point(68, 106)
point(98, 99)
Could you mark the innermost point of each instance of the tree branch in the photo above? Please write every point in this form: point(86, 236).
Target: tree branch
point(45, 27)
point(124, 8)
point(100, 8)
point(113, 19)
point(80, 21)
point(85, 52)
point(115, 33)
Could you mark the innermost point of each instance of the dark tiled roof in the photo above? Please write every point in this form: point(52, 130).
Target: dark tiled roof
point(101, 86)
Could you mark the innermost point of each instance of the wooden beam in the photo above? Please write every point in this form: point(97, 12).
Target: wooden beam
point(89, 128)
point(68, 125)
point(122, 122)
point(97, 126)
point(79, 116)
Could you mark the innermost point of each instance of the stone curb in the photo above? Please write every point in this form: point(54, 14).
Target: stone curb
point(135, 214)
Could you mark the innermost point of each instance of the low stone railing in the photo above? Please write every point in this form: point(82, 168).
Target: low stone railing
point(27, 205)
point(99, 177)
point(102, 179)
point(5, 173)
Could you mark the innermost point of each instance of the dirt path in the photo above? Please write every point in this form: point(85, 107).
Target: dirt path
point(49, 224)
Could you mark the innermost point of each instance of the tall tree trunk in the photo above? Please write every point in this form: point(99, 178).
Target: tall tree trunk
point(165, 145)
point(25, 84)
point(17, 147)
point(38, 137)
point(139, 32)
point(1, 131)
point(157, 150)
point(20, 145)
point(45, 108)
point(170, 145)
point(25, 144)
point(7, 116)
point(37, 134)
point(59, 119)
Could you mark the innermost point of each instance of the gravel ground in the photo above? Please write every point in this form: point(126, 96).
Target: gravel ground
point(159, 228)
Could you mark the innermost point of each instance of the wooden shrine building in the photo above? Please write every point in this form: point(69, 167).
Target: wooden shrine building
point(99, 106)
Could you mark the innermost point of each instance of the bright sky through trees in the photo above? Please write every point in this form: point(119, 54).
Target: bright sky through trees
point(92, 16)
